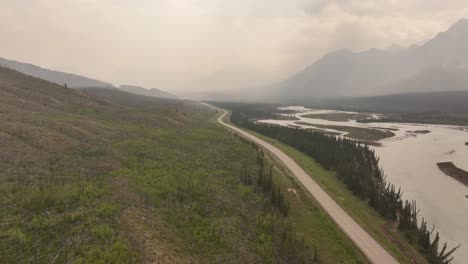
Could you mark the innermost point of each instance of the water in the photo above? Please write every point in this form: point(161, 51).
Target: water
point(409, 160)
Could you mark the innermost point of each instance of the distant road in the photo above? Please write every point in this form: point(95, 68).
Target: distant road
point(371, 248)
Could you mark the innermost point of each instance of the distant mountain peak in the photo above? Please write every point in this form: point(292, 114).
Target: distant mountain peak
point(460, 27)
point(436, 64)
point(138, 90)
point(461, 22)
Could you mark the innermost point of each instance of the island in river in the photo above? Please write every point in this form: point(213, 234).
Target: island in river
point(453, 171)
point(409, 159)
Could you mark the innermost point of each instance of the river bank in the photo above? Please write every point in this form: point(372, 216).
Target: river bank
point(409, 160)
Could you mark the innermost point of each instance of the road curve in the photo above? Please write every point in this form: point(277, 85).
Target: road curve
point(365, 242)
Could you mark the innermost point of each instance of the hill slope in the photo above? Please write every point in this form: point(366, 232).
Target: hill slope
point(103, 176)
point(153, 92)
point(77, 81)
point(376, 72)
point(35, 111)
point(72, 80)
point(57, 152)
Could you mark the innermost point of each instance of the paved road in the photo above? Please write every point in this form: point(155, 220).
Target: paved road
point(371, 248)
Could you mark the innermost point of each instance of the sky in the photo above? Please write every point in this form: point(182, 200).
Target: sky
point(209, 45)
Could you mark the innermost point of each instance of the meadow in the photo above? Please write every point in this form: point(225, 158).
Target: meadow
point(101, 176)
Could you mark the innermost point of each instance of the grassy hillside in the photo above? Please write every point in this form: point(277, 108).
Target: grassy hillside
point(102, 176)
point(58, 203)
point(72, 80)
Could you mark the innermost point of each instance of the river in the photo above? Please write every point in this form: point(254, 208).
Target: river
point(409, 160)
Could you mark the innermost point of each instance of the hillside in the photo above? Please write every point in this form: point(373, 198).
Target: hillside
point(42, 121)
point(431, 80)
point(103, 176)
point(77, 81)
point(153, 92)
point(376, 72)
point(450, 102)
point(72, 80)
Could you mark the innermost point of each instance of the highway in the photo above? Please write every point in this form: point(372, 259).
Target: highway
point(365, 242)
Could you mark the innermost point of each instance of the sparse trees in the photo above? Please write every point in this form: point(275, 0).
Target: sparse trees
point(287, 247)
point(357, 166)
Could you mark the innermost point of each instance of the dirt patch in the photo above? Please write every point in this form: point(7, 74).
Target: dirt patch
point(293, 191)
point(453, 171)
point(146, 231)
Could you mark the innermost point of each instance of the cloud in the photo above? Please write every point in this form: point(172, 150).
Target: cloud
point(208, 44)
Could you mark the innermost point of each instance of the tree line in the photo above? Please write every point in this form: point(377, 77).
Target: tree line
point(357, 166)
point(287, 247)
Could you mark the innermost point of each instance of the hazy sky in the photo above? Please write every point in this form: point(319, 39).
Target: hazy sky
point(208, 44)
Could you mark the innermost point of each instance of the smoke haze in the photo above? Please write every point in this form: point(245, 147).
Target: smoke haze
point(208, 45)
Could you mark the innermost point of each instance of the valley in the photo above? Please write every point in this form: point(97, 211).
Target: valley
point(256, 132)
point(409, 156)
point(98, 175)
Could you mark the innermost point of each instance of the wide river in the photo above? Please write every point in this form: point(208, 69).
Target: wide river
point(409, 160)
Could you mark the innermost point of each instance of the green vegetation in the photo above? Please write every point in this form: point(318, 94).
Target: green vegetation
point(58, 222)
point(366, 134)
point(421, 118)
point(313, 224)
point(368, 218)
point(208, 185)
point(362, 177)
point(341, 117)
point(448, 107)
point(101, 176)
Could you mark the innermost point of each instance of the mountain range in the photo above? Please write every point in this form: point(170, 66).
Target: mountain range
point(72, 80)
point(440, 64)
point(153, 92)
point(77, 81)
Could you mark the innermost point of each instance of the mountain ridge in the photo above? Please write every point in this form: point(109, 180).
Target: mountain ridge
point(375, 71)
point(77, 81)
point(152, 92)
point(58, 77)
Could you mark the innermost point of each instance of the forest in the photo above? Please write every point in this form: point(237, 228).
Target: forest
point(357, 166)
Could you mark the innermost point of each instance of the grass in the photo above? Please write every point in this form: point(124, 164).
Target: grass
point(366, 134)
point(184, 182)
point(314, 225)
point(59, 222)
point(356, 208)
point(105, 177)
point(340, 117)
point(191, 179)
